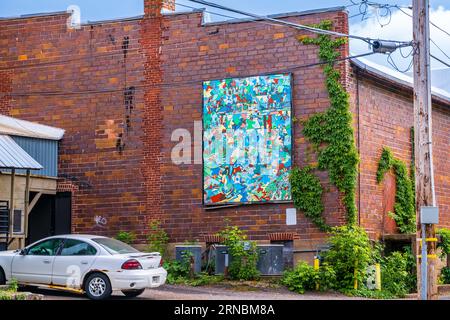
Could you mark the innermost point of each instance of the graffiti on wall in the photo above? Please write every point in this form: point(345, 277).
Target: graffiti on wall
point(247, 139)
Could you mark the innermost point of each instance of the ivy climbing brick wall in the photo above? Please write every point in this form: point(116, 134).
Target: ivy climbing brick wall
point(385, 119)
point(192, 53)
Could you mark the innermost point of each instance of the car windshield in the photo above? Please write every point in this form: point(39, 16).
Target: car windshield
point(114, 246)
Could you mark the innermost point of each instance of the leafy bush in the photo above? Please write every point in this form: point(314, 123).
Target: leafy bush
point(176, 270)
point(326, 277)
point(411, 267)
point(445, 275)
point(304, 277)
point(349, 255)
point(395, 275)
point(157, 238)
point(11, 292)
point(444, 244)
point(243, 260)
point(126, 237)
point(301, 278)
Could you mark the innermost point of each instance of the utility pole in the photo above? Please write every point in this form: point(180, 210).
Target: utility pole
point(425, 194)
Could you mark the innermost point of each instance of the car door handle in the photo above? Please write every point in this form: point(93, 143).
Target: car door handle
point(84, 262)
point(46, 261)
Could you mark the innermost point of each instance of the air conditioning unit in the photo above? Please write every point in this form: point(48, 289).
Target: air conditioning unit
point(220, 253)
point(182, 251)
point(270, 260)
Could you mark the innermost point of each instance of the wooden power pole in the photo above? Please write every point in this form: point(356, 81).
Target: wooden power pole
point(425, 194)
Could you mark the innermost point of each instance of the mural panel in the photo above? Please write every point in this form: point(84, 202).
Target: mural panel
point(247, 139)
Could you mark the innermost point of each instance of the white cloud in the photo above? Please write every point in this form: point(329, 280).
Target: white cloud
point(400, 28)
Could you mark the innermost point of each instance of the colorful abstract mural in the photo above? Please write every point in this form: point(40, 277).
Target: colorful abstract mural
point(247, 139)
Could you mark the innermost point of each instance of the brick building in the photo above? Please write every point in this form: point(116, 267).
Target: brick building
point(121, 88)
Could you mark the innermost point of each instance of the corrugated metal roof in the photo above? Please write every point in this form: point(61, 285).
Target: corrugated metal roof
point(16, 127)
point(12, 156)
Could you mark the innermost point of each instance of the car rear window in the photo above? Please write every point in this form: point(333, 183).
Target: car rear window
point(114, 246)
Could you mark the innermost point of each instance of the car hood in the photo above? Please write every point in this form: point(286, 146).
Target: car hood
point(8, 253)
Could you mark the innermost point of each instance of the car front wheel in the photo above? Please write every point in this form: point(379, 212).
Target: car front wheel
point(98, 287)
point(133, 293)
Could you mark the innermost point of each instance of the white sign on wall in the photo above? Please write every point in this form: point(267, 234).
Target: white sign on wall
point(291, 216)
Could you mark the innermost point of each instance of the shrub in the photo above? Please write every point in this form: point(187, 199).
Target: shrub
point(445, 275)
point(157, 239)
point(395, 275)
point(304, 277)
point(326, 277)
point(300, 279)
point(127, 237)
point(444, 244)
point(244, 255)
point(349, 255)
point(177, 270)
point(411, 267)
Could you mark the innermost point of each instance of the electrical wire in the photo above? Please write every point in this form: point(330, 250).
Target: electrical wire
point(441, 61)
point(298, 26)
point(431, 22)
point(175, 83)
point(431, 40)
point(115, 52)
point(440, 49)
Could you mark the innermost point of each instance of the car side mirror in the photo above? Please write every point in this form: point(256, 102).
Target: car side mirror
point(23, 252)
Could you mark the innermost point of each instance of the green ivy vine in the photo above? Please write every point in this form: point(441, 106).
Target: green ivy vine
point(307, 195)
point(331, 133)
point(404, 213)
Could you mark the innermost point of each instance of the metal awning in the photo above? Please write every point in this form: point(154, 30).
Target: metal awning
point(12, 156)
point(16, 127)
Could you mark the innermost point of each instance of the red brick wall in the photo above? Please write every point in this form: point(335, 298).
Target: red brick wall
point(150, 41)
point(168, 58)
point(75, 80)
point(385, 119)
point(192, 53)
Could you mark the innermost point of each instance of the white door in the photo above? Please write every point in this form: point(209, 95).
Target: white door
point(74, 260)
point(36, 265)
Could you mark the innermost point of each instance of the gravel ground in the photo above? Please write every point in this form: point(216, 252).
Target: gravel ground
point(216, 292)
point(179, 292)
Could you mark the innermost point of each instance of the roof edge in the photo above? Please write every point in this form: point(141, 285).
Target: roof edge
point(408, 85)
point(279, 15)
point(35, 15)
point(169, 14)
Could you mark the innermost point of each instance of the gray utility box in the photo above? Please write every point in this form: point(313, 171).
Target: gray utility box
point(194, 250)
point(270, 261)
point(220, 252)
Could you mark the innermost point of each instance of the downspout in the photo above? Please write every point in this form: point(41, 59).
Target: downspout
point(359, 145)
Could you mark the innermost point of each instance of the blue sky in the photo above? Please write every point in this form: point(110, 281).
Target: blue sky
point(399, 27)
point(109, 9)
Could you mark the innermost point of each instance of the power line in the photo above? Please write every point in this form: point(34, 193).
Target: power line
point(431, 22)
point(171, 84)
point(437, 59)
point(431, 40)
point(440, 49)
point(298, 26)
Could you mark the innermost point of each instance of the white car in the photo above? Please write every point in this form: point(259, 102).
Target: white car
point(89, 264)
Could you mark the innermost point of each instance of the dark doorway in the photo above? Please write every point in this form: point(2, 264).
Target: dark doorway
point(63, 213)
point(50, 216)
